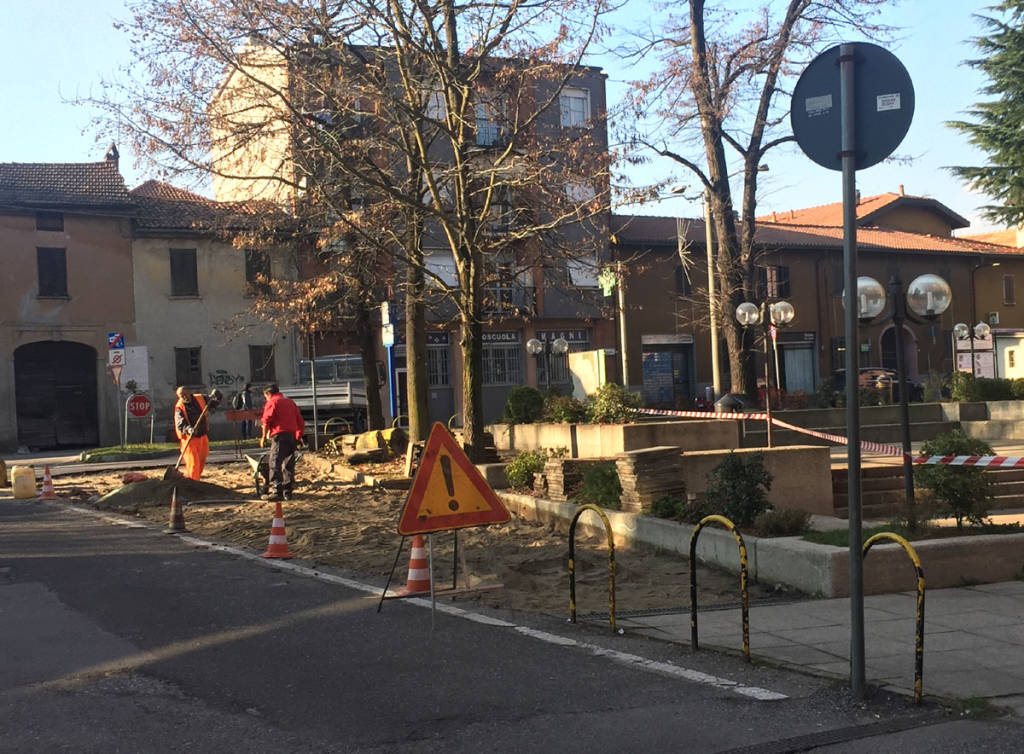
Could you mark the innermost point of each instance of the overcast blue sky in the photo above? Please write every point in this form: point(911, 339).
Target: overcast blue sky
point(52, 50)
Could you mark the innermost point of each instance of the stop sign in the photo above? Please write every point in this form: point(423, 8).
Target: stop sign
point(139, 405)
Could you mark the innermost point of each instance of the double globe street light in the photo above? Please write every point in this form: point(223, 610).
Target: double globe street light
point(776, 314)
point(927, 297)
point(538, 348)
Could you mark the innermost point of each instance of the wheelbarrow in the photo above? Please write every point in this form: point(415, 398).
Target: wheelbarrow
point(260, 466)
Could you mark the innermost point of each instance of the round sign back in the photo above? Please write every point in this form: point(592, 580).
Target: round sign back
point(139, 405)
point(883, 106)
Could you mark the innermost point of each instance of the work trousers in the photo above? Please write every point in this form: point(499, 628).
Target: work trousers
point(195, 456)
point(281, 461)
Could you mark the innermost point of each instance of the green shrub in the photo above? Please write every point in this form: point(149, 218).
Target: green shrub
point(738, 488)
point(1017, 388)
point(564, 409)
point(967, 387)
point(825, 395)
point(601, 486)
point(964, 490)
point(524, 405)
point(612, 404)
point(788, 522)
point(672, 507)
point(521, 469)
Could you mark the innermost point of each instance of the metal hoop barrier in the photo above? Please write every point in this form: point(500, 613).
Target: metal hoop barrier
point(919, 638)
point(396, 420)
point(451, 418)
point(743, 581)
point(327, 424)
point(572, 563)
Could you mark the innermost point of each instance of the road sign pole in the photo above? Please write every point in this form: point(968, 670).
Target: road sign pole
point(124, 440)
point(847, 65)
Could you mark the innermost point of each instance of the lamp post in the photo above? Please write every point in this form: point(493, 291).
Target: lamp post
point(545, 348)
point(771, 316)
point(927, 297)
point(961, 331)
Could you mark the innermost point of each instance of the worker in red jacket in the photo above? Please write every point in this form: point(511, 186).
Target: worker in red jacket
point(283, 424)
point(192, 426)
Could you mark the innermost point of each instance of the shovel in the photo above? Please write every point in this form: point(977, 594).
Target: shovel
point(173, 473)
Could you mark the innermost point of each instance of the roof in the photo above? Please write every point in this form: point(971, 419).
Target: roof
point(55, 185)
point(869, 210)
point(166, 208)
point(643, 230)
point(1008, 237)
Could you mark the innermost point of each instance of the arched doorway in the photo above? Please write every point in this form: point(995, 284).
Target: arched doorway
point(888, 343)
point(55, 395)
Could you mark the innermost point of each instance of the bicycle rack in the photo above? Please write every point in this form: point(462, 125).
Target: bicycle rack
point(919, 631)
point(572, 563)
point(743, 580)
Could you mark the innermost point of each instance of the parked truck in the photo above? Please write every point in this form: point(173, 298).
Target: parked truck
point(340, 393)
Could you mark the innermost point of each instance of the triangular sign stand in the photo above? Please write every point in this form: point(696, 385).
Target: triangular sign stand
point(448, 491)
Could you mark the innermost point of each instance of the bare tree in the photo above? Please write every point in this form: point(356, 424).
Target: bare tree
point(396, 133)
point(719, 104)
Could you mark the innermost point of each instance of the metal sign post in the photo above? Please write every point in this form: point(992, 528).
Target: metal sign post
point(876, 104)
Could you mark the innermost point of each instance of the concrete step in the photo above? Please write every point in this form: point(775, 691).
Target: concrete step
point(998, 430)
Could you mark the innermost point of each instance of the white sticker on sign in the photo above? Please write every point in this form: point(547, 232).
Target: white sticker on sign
point(888, 102)
point(819, 105)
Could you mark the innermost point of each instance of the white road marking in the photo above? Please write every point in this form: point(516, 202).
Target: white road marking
point(622, 658)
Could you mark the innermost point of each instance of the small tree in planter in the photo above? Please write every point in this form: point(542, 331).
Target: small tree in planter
point(964, 490)
point(524, 405)
point(612, 404)
point(521, 469)
point(738, 488)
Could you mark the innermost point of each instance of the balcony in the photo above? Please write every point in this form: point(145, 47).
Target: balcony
point(506, 301)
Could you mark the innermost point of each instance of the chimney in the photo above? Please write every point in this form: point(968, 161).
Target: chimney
point(901, 190)
point(792, 215)
point(774, 217)
point(112, 154)
point(858, 196)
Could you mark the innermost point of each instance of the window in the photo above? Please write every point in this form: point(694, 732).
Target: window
point(559, 363)
point(257, 271)
point(187, 366)
point(49, 221)
point(774, 281)
point(574, 107)
point(488, 132)
point(261, 364)
point(434, 105)
point(184, 281)
point(437, 366)
point(503, 364)
point(683, 286)
point(1008, 295)
point(53, 273)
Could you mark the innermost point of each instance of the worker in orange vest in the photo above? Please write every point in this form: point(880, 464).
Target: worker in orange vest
point(192, 425)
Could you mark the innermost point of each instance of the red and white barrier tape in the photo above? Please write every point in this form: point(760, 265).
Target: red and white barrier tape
point(865, 445)
point(1001, 462)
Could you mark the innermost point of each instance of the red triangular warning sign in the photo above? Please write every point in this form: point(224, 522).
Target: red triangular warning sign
point(448, 491)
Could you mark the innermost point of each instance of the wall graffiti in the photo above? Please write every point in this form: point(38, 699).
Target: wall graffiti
point(222, 378)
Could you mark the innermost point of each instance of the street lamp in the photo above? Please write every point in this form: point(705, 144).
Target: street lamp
point(537, 348)
point(779, 314)
point(927, 297)
point(962, 332)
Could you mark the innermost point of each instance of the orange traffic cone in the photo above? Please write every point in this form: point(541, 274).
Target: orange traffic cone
point(176, 522)
point(418, 580)
point(47, 493)
point(278, 547)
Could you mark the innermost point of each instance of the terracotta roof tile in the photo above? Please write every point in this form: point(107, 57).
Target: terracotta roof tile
point(1006, 237)
point(831, 215)
point(63, 184)
point(163, 207)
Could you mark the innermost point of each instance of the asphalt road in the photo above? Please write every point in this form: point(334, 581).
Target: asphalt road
point(118, 638)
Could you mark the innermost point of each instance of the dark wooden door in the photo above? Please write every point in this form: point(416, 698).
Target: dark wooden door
point(56, 395)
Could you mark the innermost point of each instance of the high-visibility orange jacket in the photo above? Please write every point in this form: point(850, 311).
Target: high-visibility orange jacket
point(187, 414)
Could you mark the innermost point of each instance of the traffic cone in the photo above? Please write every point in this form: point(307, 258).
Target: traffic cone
point(418, 580)
point(176, 522)
point(47, 493)
point(278, 547)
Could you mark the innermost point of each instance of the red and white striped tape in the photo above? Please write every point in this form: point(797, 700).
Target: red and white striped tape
point(999, 462)
point(865, 445)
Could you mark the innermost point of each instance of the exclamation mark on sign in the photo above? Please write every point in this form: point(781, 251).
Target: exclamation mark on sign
point(446, 469)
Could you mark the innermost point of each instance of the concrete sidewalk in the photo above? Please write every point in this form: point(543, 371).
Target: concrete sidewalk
point(973, 647)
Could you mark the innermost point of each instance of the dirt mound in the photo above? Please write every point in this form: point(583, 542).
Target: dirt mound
point(131, 498)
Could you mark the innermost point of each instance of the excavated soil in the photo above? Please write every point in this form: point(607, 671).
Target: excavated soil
point(353, 528)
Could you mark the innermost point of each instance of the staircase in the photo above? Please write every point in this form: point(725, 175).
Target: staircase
point(881, 490)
